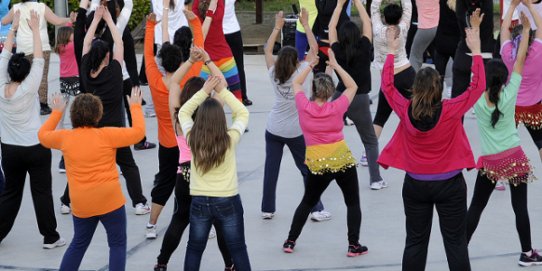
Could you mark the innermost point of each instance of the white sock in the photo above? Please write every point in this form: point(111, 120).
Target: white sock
point(529, 253)
point(149, 225)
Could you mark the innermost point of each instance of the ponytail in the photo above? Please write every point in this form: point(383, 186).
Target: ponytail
point(496, 75)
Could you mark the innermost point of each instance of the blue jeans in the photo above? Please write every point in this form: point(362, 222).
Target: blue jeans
point(226, 213)
point(115, 227)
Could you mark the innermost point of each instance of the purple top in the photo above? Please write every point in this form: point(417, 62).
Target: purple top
point(434, 177)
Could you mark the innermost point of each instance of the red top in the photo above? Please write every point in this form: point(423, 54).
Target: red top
point(215, 42)
point(445, 147)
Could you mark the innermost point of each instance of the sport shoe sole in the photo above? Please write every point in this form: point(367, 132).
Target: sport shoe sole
point(59, 243)
point(527, 264)
point(288, 249)
point(352, 254)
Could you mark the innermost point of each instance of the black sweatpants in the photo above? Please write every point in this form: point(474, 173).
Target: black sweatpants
point(403, 81)
point(168, 161)
point(17, 161)
point(482, 191)
point(450, 199)
point(130, 171)
point(127, 91)
point(235, 41)
point(316, 185)
point(180, 220)
point(445, 47)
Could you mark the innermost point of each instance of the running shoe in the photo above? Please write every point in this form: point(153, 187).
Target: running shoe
point(64, 209)
point(212, 233)
point(230, 268)
point(142, 209)
point(534, 259)
point(59, 243)
point(61, 166)
point(144, 146)
point(151, 232)
point(267, 216)
point(379, 185)
point(356, 250)
point(320, 216)
point(160, 267)
point(288, 246)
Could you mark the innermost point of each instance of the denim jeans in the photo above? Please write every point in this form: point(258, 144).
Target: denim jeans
point(226, 213)
point(115, 226)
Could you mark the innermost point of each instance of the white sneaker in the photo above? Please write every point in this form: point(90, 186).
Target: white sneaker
point(379, 185)
point(363, 160)
point(142, 209)
point(59, 243)
point(64, 209)
point(348, 122)
point(267, 216)
point(151, 232)
point(212, 233)
point(320, 216)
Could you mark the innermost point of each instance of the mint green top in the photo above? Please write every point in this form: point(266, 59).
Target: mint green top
point(505, 134)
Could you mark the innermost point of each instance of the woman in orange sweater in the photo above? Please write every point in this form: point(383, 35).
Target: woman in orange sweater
point(95, 190)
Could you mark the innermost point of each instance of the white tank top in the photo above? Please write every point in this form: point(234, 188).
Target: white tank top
point(24, 38)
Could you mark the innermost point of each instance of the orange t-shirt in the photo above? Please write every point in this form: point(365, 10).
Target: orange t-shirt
point(90, 157)
point(159, 91)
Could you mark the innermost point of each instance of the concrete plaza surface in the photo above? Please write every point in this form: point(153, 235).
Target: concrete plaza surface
point(322, 245)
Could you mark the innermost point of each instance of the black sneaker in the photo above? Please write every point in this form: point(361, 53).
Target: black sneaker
point(356, 250)
point(230, 268)
point(288, 246)
point(525, 260)
point(160, 267)
point(247, 102)
point(45, 110)
point(144, 146)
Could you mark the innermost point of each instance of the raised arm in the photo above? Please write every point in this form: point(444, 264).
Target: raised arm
point(53, 19)
point(507, 21)
point(8, 18)
point(302, 76)
point(209, 17)
point(47, 135)
point(394, 98)
point(165, 21)
point(407, 14)
point(313, 44)
point(151, 68)
point(270, 44)
point(188, 109)
point(34, 24)
point(118, 45)
point(348, 81)
point(367, 27)
point(122, 137)
point(195, 26)
point(334, 21)
point(91, 31)
point(523, 44)
point(124, 16)
point(536, 17)
point(239, 111)
point(8, 44)
point(79, 31)
point(375, 14)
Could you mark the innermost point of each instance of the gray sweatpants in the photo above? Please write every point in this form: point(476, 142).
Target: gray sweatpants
point(422, 40)
point(360, 113)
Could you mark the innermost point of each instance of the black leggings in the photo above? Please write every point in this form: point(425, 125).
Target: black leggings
point(536, 135)
point(180, 220)
point(235, 41)
point(167, 173)
point(316, 185)
point(403, 82)
point(482, 191)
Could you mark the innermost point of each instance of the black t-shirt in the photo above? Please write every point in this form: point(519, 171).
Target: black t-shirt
point(108, 87)
point(359, 66)
point(463, 10)
point(325, 11)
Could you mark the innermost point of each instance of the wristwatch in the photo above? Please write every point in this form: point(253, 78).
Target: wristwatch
point(207, 62)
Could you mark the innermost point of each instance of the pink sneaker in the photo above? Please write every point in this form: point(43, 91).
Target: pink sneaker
point(500, 186)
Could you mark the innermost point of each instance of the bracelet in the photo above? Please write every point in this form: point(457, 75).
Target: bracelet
point(207, 62)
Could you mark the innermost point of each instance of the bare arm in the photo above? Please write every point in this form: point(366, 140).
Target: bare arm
point(505, 26)
point(87, 42)
point(118, 47)
point(523, 45)
point(8, 18)
point(537, 19)
point(313, 44)
point(302, 76)
point(367, 28)
point(34, 24)
point(207, 22)
point(348, 81)
point(268, 49)
point(165, 21)
point(10, 41)
point(52, 18)
point(334, 21)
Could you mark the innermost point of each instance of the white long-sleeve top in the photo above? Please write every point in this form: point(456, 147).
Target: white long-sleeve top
point(176, 19)
point(379, 35)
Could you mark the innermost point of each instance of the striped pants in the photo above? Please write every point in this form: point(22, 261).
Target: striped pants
point(229, 69)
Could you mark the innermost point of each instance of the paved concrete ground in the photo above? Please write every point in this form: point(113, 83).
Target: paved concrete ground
point(322, 246)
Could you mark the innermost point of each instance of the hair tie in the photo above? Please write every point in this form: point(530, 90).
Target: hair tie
point(515, 46)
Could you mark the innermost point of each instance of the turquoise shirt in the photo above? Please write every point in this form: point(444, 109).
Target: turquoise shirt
point(4, 9)
point(505, 134)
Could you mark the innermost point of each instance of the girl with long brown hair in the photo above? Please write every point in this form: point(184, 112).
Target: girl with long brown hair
point(283, 121)
point(213, 172)
point(431, 132)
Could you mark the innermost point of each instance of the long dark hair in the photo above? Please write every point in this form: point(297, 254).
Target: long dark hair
point(426, 93)
point(183, 39)
point(286, 64)
point(18, 67)
point(496, 75)
point(98, 52)
point(348, 37)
